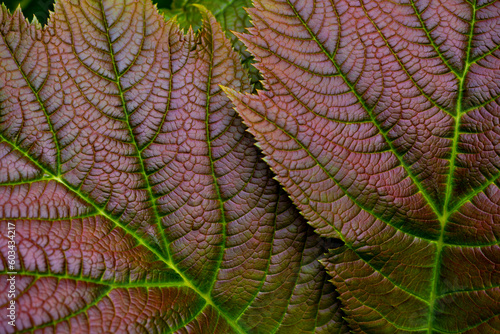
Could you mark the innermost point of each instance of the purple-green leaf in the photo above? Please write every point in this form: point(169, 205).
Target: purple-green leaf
point(380, 119)
point(139, 201)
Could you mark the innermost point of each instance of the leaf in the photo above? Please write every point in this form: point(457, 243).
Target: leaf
point(232, 16)
point(380, 119)
point(140, 203)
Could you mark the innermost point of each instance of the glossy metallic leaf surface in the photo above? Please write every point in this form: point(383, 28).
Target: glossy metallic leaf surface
point(380, 119)
point(141, 204)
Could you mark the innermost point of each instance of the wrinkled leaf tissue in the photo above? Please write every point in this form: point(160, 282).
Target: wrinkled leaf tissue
point(134, 199)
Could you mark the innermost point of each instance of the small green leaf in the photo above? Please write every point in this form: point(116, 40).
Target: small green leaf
point(230, 14)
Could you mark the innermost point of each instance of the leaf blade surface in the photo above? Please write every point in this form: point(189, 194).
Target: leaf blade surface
point(367, 122)
point(135, 188)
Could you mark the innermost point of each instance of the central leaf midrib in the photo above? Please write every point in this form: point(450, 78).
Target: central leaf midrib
point(445, 216)
point(117, 81)
point(168, 260)
point(113, 284)
point(211, 160)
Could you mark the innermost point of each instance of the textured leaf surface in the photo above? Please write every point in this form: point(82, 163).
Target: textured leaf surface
point(381, 121)
point(141, 204)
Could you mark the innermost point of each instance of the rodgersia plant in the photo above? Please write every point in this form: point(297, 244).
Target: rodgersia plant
point(141, 203)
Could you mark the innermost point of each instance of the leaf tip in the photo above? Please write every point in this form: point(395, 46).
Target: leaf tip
point(206, 15)
point(230, 93)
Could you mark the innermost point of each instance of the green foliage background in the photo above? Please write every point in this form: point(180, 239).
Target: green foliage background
point(41, 8)
point(38, 8)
